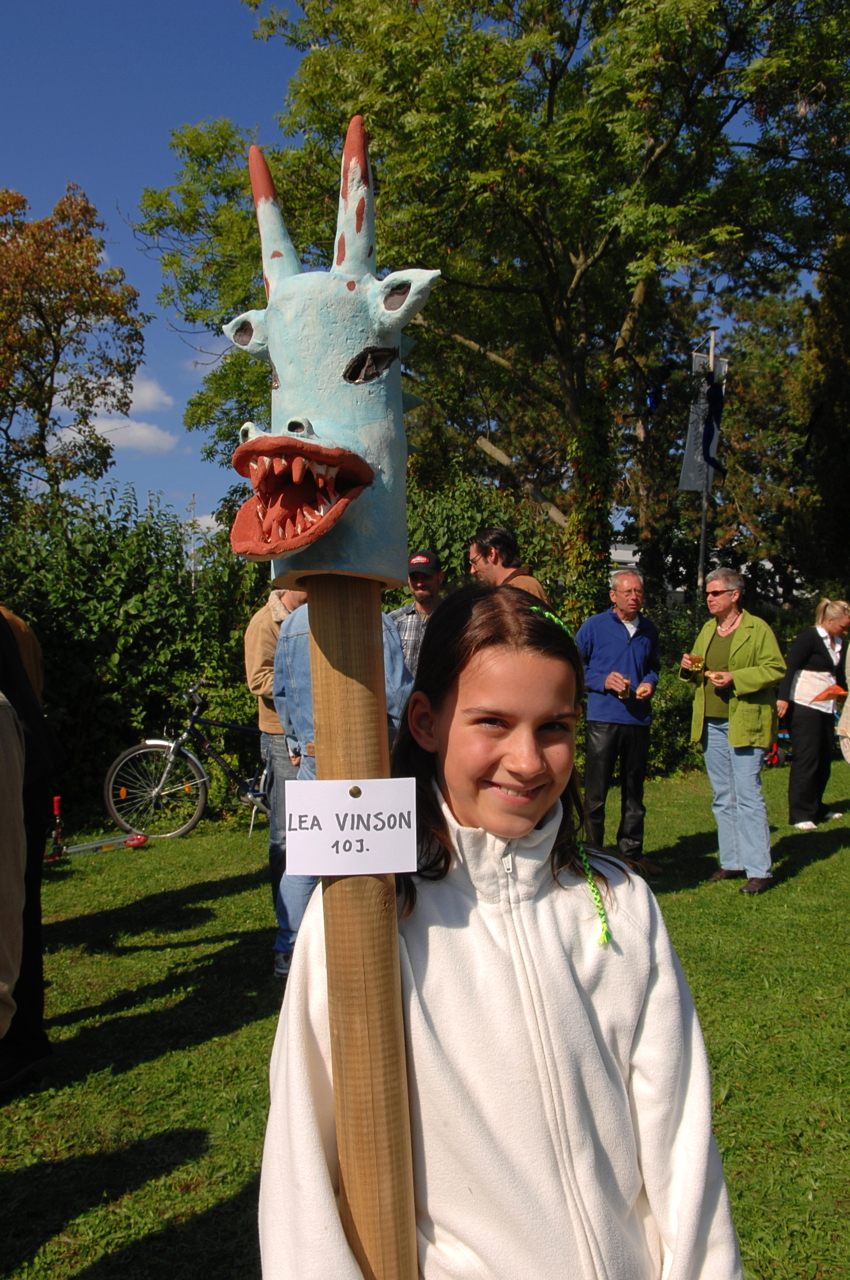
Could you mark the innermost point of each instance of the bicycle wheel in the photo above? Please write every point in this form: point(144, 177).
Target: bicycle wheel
point(142, 800)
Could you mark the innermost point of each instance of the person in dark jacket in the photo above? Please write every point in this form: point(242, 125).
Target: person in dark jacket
point(815, 663)
point(619, 649)
point(25, 1048)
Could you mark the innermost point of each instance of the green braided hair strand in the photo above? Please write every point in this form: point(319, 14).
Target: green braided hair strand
point(605, 936)
point(553, 617)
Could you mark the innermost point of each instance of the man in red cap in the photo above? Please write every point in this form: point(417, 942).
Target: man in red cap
point(425, 578)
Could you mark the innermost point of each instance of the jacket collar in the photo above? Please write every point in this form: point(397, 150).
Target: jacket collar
point(277, 608)
point(615, 615)
point(482, 863)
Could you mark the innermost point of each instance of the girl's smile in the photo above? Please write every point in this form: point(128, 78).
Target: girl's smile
point(504, 739)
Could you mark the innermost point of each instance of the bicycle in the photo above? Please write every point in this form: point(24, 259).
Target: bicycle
point(159, 789)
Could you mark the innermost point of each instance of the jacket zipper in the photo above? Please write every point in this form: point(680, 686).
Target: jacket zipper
point(569, 1192)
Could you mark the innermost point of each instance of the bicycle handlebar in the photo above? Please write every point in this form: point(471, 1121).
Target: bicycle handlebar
point(192, 695)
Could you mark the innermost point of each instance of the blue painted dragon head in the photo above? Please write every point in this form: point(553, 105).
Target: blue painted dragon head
point(329, 478)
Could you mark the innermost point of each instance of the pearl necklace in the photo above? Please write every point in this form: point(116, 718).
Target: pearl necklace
point(729, 627)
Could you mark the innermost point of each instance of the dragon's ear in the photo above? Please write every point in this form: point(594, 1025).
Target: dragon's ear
point(397, 298)
point(248, 332)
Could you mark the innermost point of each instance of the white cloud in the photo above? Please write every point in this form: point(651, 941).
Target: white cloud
point(206, 523)
point(143, 437)
point(149, 396)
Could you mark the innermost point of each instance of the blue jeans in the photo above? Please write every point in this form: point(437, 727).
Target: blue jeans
point(290, 894)
point(738, 803)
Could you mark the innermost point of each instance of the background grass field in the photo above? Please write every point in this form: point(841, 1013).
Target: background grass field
point(138, 1153)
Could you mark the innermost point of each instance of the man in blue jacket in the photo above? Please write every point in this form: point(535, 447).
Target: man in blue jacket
point(619, 649)
point(293, 700)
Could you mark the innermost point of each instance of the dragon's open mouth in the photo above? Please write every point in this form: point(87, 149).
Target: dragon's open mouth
point(300, 490)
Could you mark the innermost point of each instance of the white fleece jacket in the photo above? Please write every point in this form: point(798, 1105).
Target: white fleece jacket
point(560, 1097)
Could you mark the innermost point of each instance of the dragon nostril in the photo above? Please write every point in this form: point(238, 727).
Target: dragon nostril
point(300, 426)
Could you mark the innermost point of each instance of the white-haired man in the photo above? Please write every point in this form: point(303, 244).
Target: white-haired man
point(619, 649)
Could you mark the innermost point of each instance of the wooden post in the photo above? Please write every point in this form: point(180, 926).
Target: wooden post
point(361, 941)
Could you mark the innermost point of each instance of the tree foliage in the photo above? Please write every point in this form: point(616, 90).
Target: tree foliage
point(566, 167)
point(753, 511)
point(107, 587)
point(821, 526)
point(70, 343)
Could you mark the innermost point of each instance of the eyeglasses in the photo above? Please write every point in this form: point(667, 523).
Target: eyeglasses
point(727, 591)
point(474, 559)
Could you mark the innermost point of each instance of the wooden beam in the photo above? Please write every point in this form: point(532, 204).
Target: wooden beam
point(361, 941)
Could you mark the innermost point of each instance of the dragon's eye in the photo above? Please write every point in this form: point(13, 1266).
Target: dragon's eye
point(244, 333)
point(370, 364)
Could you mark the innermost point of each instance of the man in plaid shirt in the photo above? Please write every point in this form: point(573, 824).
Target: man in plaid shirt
point(425, 578)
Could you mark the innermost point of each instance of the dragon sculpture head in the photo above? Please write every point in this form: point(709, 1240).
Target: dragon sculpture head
point(329, 478)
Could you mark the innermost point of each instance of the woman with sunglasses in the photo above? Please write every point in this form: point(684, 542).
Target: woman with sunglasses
point(736, 665)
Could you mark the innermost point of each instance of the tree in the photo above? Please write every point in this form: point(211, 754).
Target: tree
point(821, 526)
point(108, 590)
point(751, 511)
point(70, 343)
point(565, 167)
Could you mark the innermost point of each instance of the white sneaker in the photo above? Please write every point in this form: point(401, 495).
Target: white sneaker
point(832, 815)
point(806, 826)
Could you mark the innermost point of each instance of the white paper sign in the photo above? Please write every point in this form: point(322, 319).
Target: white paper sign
point(352, 828)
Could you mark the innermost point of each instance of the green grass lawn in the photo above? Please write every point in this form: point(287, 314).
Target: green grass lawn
point(138, 1153)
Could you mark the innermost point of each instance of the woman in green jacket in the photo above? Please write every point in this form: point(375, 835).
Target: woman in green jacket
point(736, 665)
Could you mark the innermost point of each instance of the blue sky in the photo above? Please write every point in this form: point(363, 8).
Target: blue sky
point(88, 94)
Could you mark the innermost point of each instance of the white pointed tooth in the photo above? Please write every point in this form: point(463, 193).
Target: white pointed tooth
point(324, 505)
point(253, 464)
point(280, 531)
point(265, 462)
point(299, 525)
point(318, 468)
point(332, 472)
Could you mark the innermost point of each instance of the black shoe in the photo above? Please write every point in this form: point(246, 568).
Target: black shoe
point(757, 884)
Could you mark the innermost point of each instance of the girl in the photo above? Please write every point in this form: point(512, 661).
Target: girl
point(559, 1090)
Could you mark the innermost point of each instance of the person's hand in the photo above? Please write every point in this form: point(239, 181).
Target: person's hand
point(686, 661)
point(296, 760)
point(616, 683)
point(644, 689)
point(781, 707)
point(720, 679)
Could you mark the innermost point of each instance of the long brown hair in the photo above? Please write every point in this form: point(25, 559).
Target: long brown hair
point(463, 624)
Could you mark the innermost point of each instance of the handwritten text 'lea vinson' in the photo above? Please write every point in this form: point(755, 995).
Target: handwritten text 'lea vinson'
point(378, 821)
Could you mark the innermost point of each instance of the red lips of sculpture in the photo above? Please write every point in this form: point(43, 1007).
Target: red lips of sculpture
point(300, 491)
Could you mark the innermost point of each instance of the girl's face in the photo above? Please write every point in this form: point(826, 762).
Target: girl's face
point(504, 739)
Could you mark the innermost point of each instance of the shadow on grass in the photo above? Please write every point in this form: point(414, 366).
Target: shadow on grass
point(218, 1244)
point(800, 849)
point(693, 858)
point(172, 911)
point(687, 862)
point(218, 995)
point(41, 1200)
